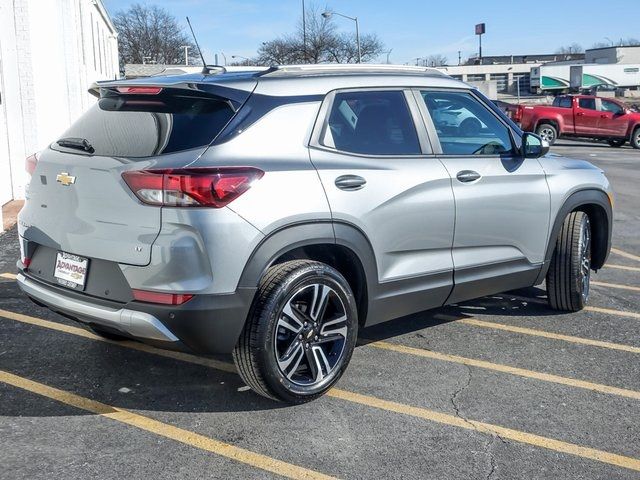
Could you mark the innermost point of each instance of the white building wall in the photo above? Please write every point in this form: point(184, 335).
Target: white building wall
point(51, 51)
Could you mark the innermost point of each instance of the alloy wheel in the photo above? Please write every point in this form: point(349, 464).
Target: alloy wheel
point(311, 334)
point(548, 135)
point(585, 258)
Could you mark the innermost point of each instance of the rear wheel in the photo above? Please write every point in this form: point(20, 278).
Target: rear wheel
point(616, 142)
point(635, 138)
point(570, 269)
point(548, 132)
point(300, 333)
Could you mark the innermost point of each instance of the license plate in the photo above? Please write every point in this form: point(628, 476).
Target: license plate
point(71, 270)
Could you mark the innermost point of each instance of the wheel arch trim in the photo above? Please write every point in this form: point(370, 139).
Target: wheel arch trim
point(601, 239)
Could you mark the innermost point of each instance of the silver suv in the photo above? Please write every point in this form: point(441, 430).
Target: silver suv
point(272, 213)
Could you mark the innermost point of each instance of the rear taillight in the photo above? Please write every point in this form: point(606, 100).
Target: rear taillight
point(30, 163)
point(191, 187)
point(517, 115)
point(162, 298)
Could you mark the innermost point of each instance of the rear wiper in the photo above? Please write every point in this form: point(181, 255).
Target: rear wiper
point(76, 143)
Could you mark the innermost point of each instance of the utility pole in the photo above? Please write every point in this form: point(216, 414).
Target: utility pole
point(304, 34)
point(459, 57)
point(186, 54)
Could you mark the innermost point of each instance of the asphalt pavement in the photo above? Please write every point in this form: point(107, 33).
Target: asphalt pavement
point(496, 388)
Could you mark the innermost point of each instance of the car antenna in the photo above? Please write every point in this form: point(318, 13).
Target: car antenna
point(205, 69)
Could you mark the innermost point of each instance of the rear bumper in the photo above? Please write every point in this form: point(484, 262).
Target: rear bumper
point(205, 324)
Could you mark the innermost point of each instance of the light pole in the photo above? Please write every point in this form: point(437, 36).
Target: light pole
point(329, 13)
point(246, 60)
point(389, 53)
point(186, 54)
point(225, 58)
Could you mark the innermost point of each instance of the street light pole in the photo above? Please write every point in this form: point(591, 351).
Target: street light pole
point(329, 13)
point(304, 34)
point(186, 54)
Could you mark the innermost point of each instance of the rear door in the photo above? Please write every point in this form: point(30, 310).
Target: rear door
point(502, 200)
point(613, 118)
point(587, 117)
point(380, 175)
point(77, 201)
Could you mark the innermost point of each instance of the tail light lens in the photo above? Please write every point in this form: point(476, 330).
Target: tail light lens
point(139, 90)
point(191, 187)
point(30, 163)
point(162, 298)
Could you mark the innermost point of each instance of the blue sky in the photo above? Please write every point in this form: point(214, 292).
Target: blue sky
point(412, 28)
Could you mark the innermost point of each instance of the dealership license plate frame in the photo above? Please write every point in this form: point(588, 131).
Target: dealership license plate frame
point(64, 273)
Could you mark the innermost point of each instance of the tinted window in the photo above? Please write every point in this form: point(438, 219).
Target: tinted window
point(465, 126)
point(149, 125)
point(588, 103)
point(374, 123)
point(613, 107)
point(562, 102)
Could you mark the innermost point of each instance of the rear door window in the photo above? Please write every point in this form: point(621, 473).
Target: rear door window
point(150, 125)
point(562, 102)
point(371, 123)
point(587, 103)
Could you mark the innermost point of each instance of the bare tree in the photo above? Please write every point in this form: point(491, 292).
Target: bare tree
point(629, 42)
point(323, 44)
point(570, 49)
point(436, 60)
point(150, 33)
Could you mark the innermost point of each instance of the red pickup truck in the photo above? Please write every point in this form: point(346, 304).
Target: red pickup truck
point(582, 116)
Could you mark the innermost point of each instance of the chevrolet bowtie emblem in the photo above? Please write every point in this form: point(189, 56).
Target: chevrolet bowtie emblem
point(65, 179)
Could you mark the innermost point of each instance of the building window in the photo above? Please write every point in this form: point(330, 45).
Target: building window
point(476, 77)
point(502, 82)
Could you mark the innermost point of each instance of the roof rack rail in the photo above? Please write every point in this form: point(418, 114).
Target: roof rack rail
point(329, 68)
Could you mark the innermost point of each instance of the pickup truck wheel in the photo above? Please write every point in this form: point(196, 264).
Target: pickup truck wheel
point(616, 143)
point(570, 269)
point(635, 138)
point(548, 132)
point(300, 333)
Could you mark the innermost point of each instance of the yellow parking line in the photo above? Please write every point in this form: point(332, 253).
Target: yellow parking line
point(497, 367)
point(515, 435)
point(545, 334)
point(505, 433)
point(147, 424)
point(622, 267)
point(624, 254)
point(610, 311)
point(615, 285)
point(9, 276)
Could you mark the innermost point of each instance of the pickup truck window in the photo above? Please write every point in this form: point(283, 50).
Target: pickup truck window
point(588, 103)
point(465, 126)
point(613, 107)
point(562, 102)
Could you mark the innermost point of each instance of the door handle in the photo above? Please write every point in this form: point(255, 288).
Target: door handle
point(350, 182)
point(604, 115)
point(579, 114)
point(466, 176)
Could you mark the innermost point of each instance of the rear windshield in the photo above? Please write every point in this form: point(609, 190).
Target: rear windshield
point(149, 125)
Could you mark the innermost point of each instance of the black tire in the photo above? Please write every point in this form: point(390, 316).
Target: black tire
point(470, 126)
point(108, 334)
point(635, 138)
point(261, 354)
point(548, 132)
point(570, 269)
point(617, 142)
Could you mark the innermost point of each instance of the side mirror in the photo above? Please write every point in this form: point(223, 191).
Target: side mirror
point(534, 146)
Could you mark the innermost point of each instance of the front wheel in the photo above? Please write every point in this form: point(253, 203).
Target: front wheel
point(570, 269)
point(300, 333)
point(616, 142)
point(548, 132)
point(635, 138)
